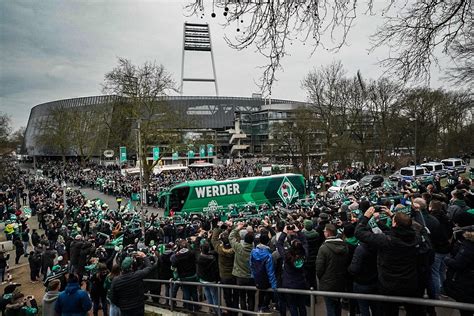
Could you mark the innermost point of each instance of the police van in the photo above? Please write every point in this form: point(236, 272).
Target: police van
point(413, 173)
point(436, 168)
point(454, 164)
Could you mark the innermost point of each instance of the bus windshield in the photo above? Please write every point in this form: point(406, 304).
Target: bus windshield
point(178, 197)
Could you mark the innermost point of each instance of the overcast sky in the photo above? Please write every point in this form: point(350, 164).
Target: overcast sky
point(51, 50)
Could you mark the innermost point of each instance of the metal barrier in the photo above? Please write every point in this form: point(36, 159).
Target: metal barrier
point(311, 293)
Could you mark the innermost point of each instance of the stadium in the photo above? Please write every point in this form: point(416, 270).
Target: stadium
point(240, 125)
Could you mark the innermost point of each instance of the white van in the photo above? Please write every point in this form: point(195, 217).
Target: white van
point(408, 173)
point(436, 168)
point(454, 164)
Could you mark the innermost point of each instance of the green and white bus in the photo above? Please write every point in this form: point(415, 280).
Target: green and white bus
point(211, 195)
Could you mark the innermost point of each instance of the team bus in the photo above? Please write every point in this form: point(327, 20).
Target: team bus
point(211, 195)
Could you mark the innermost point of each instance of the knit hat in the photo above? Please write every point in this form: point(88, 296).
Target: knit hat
point(308, 224)
point(264, 239)
point(127, 263)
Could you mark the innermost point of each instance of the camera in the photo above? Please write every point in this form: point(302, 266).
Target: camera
point(378, 208)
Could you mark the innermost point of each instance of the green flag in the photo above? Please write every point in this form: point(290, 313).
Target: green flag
point(156, 153)
point(202, 151)
point(210, 150)
point(191, 154)
point(123, 154)
point(175, 156)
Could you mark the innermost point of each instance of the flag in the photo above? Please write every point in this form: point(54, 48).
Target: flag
point(123, 154)
point(191, 154)
point(210, 150)
point(156, 153)
point(202, 151)
point(175, 156)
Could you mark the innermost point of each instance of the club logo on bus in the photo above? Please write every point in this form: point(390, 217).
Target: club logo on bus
point(212, 206)
point(287, 191)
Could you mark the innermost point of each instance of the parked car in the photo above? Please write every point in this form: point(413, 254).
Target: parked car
point(413, 173)
point(396, 176)
point(454, 164)
point(373, 180)
point(436, 168)
point(346, 186)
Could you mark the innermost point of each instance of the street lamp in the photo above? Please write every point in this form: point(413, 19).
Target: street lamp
point(64, 185)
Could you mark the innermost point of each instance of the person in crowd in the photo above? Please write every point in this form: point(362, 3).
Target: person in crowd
point(184, 261)
point(34, 260)
point(460, 264)
point(3, 264)
point(50, 298)
point(19, 249)
point(262, 270)
point(114, 272)
point(208, 272)
point(126, 291)
point(25, 238)
point(293, 276)
point(314, 242)
point(165, 271)
point(98, 293)
point(363, 269)
point(397, 251)
point(331, 268)
point(221, 244)
point(241, 270)
point(73, 300)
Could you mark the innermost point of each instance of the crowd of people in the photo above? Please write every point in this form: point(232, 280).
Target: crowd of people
point(414, 240)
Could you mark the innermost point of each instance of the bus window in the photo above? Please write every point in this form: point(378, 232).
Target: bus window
point(177, 198)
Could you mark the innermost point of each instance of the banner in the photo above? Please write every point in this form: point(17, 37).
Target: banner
point(156, 153)
point(210, 150)
point(123, 154)
point(135, 197)
point(202, 151)
point(175, 156)
point(191, 154)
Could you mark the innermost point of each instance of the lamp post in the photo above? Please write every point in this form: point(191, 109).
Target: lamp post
point(142, 189)
point(64, 185)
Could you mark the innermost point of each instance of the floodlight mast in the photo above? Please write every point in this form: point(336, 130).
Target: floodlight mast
point(197, 38)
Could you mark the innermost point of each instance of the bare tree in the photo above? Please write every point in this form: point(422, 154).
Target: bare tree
point(323, 87)
point(413, 30)
point(295, 137)
point(463, 57)
point(143, 89)
point(5, 130)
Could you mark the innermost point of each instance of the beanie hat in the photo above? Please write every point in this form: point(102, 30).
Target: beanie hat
point(308, 224)
point(264, 239)
point(127, 263)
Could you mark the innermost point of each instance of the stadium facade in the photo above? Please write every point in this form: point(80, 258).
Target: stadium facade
point(241, 125)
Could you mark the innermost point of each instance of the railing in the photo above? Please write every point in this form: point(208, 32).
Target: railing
point(312, 294)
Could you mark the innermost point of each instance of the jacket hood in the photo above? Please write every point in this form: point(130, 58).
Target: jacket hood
point(72, 288)
point(310, 233)
point(50, 296)
point(407, 235)
point(261, 252)
point(336, 245)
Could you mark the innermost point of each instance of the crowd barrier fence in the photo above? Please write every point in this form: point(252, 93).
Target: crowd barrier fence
point(311, 293)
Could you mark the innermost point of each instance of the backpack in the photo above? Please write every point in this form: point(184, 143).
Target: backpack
point(260, 273)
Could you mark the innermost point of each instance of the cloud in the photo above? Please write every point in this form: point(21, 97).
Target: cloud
point(54, 49)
